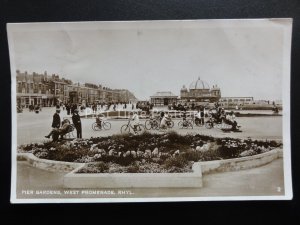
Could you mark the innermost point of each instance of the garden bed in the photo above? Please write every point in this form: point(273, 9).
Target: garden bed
point(146, 153)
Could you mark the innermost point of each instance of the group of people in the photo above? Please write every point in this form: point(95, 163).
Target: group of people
point(61, 128)
point(218, 115)
point(70, 108)
point(110, 105)
point(164, 119)
point(221, 116)
point(35, 108)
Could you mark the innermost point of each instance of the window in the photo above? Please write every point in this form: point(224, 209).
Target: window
point(19, 87)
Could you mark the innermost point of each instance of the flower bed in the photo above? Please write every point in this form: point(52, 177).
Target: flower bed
point(146, 153)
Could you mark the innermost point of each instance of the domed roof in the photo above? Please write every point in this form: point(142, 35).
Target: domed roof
point(184, 88)
point(199, 84)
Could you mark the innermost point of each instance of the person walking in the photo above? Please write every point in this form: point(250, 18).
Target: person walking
point(77, 123)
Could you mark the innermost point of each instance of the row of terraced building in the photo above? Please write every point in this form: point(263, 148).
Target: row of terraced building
point(50, 90)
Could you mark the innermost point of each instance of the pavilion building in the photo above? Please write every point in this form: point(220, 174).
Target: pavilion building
point(163, 98)
point(199, 91)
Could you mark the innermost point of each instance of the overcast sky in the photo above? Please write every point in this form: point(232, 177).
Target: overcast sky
point(243, 59)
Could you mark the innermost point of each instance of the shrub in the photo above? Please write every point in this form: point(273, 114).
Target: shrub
point(96, 149)
point(101, 166)
point(178, 161)
point(133, 169)
point(228, 152)
point(193, 156)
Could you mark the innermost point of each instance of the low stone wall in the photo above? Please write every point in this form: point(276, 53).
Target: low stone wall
point(240, 163)
point(148, 180)
point(49, 165)
point(135, 180)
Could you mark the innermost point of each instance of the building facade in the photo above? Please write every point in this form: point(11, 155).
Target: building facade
point(45, 90)
point(163, 98)
point(233, 101)
point(34, 89)
point(199, 91)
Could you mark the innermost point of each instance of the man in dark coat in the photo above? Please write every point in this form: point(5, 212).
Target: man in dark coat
point(55, 125)
point(73, 107)
point(68, 108)
point(56, 119)
point(77, 123)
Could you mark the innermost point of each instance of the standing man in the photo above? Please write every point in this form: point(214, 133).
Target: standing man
point(73, 107)
point(56, 119)
point(68, 108)
point(77, 123)
point(55, 125)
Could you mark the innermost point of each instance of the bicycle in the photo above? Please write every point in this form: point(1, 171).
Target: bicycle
point(170, 123)
point(213, 123)
point(185, 124)
point(152, 124)
point(196, 121)
point(104, 125)
point(165, 126)
point(128, 128)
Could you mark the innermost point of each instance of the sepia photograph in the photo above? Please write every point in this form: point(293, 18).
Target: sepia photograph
point(150, 111)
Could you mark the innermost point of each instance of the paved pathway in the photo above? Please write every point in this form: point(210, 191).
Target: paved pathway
point(264, 180)
point(33, 127)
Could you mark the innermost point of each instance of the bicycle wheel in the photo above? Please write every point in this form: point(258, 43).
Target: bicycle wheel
point(155, 125)
point(106, 125)
point(198, 124)
point(95, 127)
point(149, 124)
point(208, 124)
point(140, 129)
point(191, 121)
point(125, 129)
point(180, 124)
point(171, 124)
